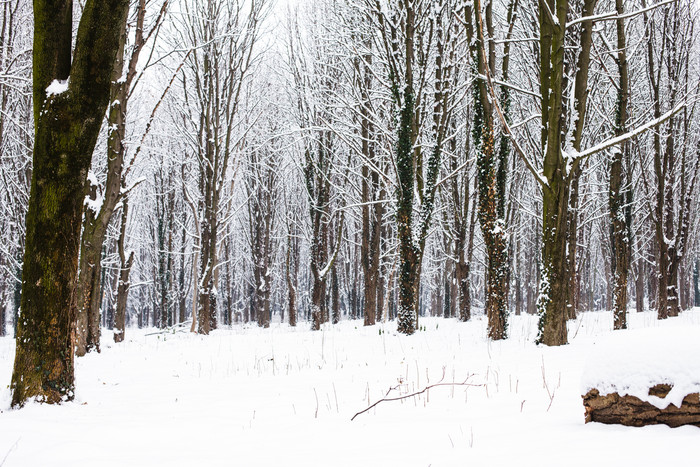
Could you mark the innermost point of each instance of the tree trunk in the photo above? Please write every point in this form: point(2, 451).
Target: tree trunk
point(554, 284)
point(491, 176)
point(518, 280)
point(97, 217)
point(318, 293)
point(207, 299)
point(182, 292)
point(335, 296)
point(88, 286)
point(66, 129)
point(662, 281)
point(696, 281)
point(408, 256)
point(552, 301)
point(3, 305)
point(673, 302)
point(683, 288)
point(618, 202)
point(572, 248)
point(639, 286)
point(465, 300)
point(653, 280)
point(123, 285)
point(291, 277)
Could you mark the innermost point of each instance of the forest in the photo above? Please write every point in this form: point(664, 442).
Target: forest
point(199, 164)
point(349, 232)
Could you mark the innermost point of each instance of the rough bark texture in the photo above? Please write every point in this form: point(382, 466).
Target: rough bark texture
point(558, 170)
point(96, 221)
point(406, 172)
point(631, 411)
point(261, 187)
point(618, 200)
point(408, 256)
point(66, 129)
point(491, 183)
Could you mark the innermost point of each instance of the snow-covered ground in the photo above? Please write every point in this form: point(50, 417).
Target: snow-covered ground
point(285, 397)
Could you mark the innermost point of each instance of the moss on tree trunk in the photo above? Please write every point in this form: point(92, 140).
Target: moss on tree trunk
point(66, 129)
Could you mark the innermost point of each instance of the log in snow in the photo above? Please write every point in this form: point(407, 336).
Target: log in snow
point(632, 411)
point(644, 377)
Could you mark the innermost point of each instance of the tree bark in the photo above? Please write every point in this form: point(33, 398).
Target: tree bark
point(96, 221)
point(631, 411)
point(558, 170)
point(291, 277)
point(555, 196)
point(123, 285)
point(618, 198)
point(66, 129)
point(696, 281)
point(491, 168)
point(639, 286)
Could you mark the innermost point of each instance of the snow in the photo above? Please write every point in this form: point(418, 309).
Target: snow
point(57, 87)
point(94, 204)
point(283, 396)
point(634, 361)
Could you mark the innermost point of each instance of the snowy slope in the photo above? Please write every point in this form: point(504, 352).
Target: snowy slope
point(282, 396)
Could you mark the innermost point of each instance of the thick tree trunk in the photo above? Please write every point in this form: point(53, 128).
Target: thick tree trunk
point(408, 256)
point(552, 301)
point(66, 129)
point(318, 191)
point(406, 160)
point(491, 175)
point(558, 171)
point(493, 231)
point(618, 202)
point(318, 293)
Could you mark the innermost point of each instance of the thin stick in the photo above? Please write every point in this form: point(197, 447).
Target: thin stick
point(387, 399)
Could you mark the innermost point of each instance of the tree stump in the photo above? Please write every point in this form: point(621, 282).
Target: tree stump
point(632, 411)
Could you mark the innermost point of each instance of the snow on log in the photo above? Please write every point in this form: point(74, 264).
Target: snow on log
point(632, 411)
point(645, 377)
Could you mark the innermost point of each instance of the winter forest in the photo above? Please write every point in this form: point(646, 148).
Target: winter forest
point(443, 181)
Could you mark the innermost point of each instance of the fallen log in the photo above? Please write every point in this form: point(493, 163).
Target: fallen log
point(631, 411)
